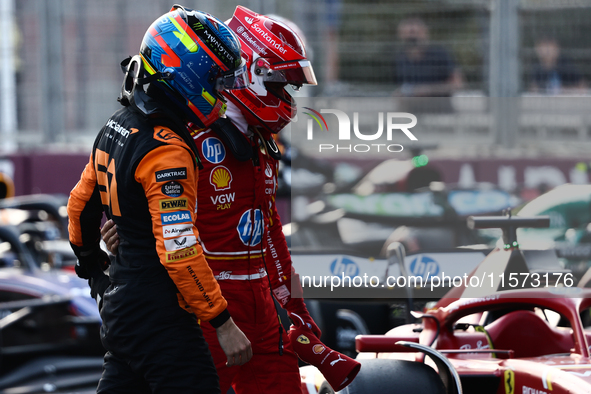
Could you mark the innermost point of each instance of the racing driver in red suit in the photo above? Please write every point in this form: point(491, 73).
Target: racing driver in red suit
point(241, 233)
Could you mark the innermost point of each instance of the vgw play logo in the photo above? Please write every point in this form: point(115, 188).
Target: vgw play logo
point(344, 130)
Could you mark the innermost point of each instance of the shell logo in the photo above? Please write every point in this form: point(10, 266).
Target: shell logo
point(220, 178)
point(318, 349)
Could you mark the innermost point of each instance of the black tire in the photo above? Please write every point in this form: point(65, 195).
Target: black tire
point(381, 376)
point(325, 388)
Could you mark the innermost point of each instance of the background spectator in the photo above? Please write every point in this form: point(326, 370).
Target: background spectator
point(553, 72)
point(423, 69)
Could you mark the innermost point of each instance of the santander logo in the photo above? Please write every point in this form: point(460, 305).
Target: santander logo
point(249, 20)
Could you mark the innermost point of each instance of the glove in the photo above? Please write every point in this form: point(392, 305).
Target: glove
point(338, 369)
point(98, 285)
point(91, 262)
point(293, 302)
point(296, 310)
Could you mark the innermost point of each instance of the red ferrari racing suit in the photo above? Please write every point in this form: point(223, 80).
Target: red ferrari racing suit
point(247, 252)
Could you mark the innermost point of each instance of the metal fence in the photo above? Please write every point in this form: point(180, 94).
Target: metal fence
point(67, 54)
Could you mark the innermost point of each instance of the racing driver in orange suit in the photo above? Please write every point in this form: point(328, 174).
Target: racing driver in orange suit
point(240, 230)
point(143, 173)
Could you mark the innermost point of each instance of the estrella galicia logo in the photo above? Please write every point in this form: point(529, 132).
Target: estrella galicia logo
point(171, 174)
point(424, 266)
point(213, 150)
point(344, 266)
point(175, 217)
point(172, 189)
point(250, 233)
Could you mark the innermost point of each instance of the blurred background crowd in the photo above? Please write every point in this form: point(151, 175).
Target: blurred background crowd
point(61, 75)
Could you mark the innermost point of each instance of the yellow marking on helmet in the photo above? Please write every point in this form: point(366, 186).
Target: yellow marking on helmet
point(208, 97)
point(182, 35)
point(150, 70)
point(147, 66)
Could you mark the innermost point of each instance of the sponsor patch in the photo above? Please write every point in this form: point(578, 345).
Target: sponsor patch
point(271, 183)
point(250, 233)
point(171, 257)
point(173, 204)
point(176, 217)
point(318, 349)
point(176, 230)
point(165, 135)
point(171, 174)
point(224, 275)
point(303, 340)
point(213, 150)
point(220, 178)
point(179, 243)
point(509, 382)
point(282, 293)
point(222, 198)
point(172, 189)
point(268, 171)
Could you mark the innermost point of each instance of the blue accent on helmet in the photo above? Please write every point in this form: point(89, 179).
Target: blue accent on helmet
point(191, 50)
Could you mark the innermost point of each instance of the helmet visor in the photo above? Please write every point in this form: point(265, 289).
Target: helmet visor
point(297, 73)
point(235, 79)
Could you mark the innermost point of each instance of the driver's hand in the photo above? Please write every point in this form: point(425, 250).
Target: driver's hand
point(110, 236)
point(234, 343)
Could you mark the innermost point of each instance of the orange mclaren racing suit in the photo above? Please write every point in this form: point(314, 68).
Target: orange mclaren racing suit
point(144, 176)
point(246, 250)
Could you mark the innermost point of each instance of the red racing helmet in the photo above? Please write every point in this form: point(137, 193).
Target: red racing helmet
point(275, 57)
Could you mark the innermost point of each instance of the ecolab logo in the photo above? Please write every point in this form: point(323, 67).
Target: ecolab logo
point(344, 132)
point(269, 39)
point(176, 217)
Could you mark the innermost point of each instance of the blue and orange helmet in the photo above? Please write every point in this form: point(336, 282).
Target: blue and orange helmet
point(193, 57)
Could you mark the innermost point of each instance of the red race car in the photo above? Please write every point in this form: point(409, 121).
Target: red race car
point(525, 332)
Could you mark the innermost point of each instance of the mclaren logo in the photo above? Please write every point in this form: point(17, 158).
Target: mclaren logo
point(120, 129)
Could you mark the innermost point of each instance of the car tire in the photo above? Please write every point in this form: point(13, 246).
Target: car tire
point(395, 376)
point(325, 388)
